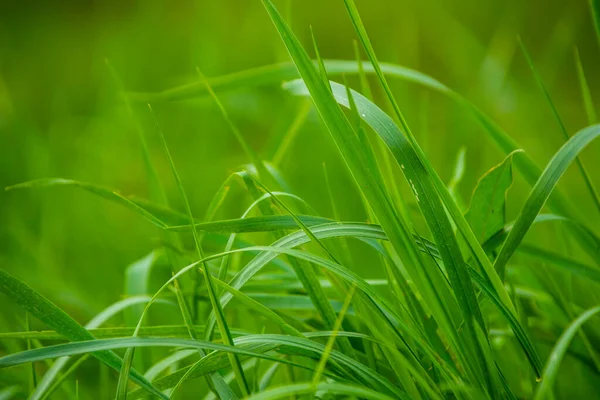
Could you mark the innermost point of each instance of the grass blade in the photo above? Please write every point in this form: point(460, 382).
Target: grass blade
point(61, 322)
point(582, 169)
point(585, 90)
point(558, 353)
point(223, 327)
point(541, 191)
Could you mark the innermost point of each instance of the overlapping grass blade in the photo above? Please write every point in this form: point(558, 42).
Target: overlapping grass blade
point(362, 374)
point(61, 322)
point(349, 145)
point(273, 74)
point(221, 321)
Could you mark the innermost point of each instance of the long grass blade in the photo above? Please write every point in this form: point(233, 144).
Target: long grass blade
point(541, 191)
point(558, 353)
point(221, 321)
point(61, 322)
point(588, 182)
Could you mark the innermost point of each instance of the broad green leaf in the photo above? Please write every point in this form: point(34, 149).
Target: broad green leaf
point(487, 213)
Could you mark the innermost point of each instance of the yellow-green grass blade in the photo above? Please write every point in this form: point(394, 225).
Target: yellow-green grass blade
point(61, 322)
point(541, 191)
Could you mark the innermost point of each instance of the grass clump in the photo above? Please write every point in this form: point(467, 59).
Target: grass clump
point(415, 296)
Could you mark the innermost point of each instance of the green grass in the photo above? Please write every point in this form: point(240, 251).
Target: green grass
point(335, 228)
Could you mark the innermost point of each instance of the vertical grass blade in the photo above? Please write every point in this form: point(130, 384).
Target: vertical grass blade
point(585, 90)
point(350, 147)
point(216, 305)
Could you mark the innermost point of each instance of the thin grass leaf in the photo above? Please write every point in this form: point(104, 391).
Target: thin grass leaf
point(361, 373)
point(326, 389)
point(588, 182)
point(330, 342)
point(586, 95)
point(61, 322)
point(250, 153)
point(349, 146)
point(265, 223)
point(97, 190)
point(291, 133)
point(595, 10)
point(558, 353)
point(273, 74)
point(221, 321)
point(541, 191)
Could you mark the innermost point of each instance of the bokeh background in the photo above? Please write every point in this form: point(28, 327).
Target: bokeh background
point(60, 115)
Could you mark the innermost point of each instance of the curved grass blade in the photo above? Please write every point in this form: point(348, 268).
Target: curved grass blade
point(396, 229)
point(541, 191)
point(273, 74)
point(48, 382)
point(61, 322)
point(362, 374)
point(558, 353)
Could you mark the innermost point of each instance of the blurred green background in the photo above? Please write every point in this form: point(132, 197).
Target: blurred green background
point(60, 115)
